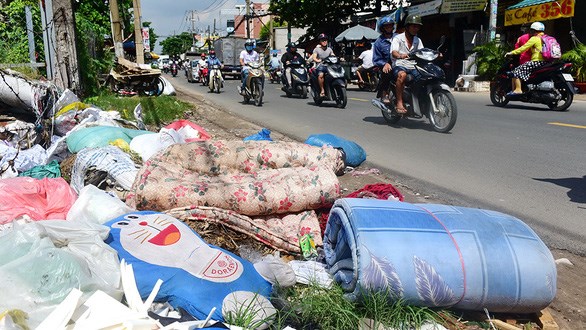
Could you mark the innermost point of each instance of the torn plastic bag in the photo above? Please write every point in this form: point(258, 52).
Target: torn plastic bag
point(263, 134)
point(23, 160)
point(116, 163)
point(19, 134)
point(355, 155)
point(189, 131)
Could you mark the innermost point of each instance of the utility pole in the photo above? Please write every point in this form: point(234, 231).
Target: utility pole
point(247, 17)
point(67, 73)
point(29, 33)
point(138, 33)
point(192, 19)
point(116, 28)
point(272, 32)
point(492, 24)
point(48, 36)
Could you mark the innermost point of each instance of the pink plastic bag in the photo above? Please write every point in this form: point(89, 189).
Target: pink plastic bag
point(189, 131)
point(39, 199)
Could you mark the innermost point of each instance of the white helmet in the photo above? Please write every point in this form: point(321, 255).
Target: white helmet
point(537, 26)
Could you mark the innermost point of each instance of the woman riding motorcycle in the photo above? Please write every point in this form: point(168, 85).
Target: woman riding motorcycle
point(524, 71)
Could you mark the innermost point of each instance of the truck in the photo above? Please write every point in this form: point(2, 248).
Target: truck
point(228, 52)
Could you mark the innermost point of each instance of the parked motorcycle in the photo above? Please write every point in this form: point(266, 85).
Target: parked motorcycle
point(215, 78)
point(299, 80)
point(254, 84)
point(551, 84)
point(334, 83)
point(174, 70)
point(275, 75)
point(370, 78)
point(428, 96)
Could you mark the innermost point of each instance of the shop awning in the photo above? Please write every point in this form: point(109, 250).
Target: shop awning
point(529, 11)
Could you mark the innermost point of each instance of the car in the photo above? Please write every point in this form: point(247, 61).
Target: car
point(192, 72)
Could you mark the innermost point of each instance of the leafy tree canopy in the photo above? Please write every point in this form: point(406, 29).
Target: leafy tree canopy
point(177, 44)
point(265, 31)
point(322, 15)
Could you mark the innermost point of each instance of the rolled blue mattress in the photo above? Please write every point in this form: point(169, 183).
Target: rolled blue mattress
point(438, 256)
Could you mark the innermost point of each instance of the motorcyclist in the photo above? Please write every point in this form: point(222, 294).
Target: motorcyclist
point(290, 56)
point(401, 46)
point(246, 56)
point(366, 58)
point(381, 55)
point(274, 64)
point(524, 71)
point(321, 52)
point(213, 60)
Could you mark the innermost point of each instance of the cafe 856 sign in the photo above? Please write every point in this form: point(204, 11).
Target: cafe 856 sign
point(542, 12)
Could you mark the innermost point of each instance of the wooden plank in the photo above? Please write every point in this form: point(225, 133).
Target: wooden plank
point(546, 321)
point(502, 325)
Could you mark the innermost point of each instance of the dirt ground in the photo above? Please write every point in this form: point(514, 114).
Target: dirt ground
point(568, 309)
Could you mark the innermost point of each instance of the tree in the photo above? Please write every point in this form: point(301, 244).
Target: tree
point(13, 34)
point(322, 15)
point(177, 44)
point(265, 30)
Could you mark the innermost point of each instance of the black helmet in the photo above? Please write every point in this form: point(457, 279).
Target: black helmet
point(322, 36)
point(413, 19)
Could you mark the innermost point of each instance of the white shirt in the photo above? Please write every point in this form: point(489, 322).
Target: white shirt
point(366, 57)
point(399, 44)
point(248, 57)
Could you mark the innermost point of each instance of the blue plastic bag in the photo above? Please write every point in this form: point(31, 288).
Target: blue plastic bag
point(355, 155)
point(263, 134)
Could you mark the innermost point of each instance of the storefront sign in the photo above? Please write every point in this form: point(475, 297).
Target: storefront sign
point(459, 6)
point(542, 12)
point(426, 9)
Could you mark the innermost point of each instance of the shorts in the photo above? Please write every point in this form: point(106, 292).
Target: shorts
point(416, 75)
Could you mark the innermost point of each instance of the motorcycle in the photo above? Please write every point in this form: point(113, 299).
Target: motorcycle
point(275, 75)
point(370, 78)
point(174, 70)
point(203, 74)
point(427, 96)
point(254, 84)
point(215, 78)
point(334, 83)
point(551, 84)
point(299, 80)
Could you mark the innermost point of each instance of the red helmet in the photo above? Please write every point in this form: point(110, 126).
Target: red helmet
point(203, 54)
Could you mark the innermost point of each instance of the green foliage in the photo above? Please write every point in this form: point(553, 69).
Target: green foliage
point(13, 33)
point(265, 32)
point(577, 56)
point(321, 15)
point(156, 110)
point(490, 57)
point(313, 306)
point(177, 44)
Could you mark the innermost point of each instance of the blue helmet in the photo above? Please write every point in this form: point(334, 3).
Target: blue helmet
point(384, 21)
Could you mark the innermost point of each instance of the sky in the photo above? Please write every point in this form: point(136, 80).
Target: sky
point(171, 17)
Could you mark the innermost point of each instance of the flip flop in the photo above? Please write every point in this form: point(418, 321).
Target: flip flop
point(401, 111)
point(322, 94)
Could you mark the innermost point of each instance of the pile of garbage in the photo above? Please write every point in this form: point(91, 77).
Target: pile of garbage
point(95, 231)
point(91, 209)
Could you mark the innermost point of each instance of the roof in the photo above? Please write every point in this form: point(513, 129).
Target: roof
point(527, 3)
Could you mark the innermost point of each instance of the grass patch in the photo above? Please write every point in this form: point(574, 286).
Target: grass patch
point(156, 110)
point(313, 307)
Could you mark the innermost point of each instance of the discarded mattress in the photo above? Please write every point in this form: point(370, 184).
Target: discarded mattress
point(196, 276)
point(439, 256)
point(279, 232)
point(250, 178)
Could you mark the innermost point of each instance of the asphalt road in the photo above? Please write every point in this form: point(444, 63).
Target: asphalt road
point(523, 160)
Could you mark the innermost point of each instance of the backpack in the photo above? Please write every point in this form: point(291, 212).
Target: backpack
point(551, 49)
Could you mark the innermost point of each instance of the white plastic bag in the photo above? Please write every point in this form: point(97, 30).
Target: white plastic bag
point(97, 206)
point(149, 144)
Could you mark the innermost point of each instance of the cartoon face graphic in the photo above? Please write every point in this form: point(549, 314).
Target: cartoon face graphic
point(160, 239)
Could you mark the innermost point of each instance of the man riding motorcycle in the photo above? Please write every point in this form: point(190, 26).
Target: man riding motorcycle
point(246, 56)
point(290, 56)
point(381, 55)
point(401, 46)
point(274, 64)
point(213, 60)
point(321, 52)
